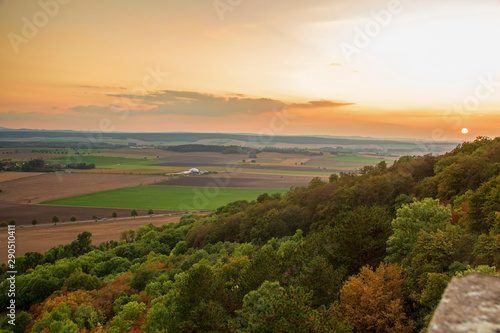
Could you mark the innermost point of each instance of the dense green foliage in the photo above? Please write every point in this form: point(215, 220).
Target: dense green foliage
point(367, 252)
point(36, 165)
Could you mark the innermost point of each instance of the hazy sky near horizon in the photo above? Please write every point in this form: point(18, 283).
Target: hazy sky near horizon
point(410, 68)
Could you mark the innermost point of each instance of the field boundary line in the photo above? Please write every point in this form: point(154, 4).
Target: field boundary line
point(110, 219)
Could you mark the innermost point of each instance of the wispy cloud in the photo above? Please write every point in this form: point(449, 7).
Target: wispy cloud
point(202, 104)
point(92, 109)
point(319, 104)
point(16, 115)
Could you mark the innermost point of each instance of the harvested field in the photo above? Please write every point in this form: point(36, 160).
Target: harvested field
point(52, 186)
point(295, 161)
point(333, 163)
point(41, 239)
point(135, 153)
point(252, 166)
point(26, 154)
point(6, 176)
point(208, 159)
point(300, 168)
point(44, 213)
point(240, 180)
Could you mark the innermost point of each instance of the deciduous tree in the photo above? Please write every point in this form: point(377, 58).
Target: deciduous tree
point(372, 300)
point(428, 215)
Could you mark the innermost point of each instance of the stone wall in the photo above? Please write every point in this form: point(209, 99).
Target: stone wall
point(469, 304)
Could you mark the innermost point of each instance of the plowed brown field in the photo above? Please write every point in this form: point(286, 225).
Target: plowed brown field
point(51, 186)
point(42, 238)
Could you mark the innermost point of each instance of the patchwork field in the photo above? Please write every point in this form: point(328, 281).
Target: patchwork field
point(165, 197)
point(51, 186)
point(248, 180)
point(123, 180)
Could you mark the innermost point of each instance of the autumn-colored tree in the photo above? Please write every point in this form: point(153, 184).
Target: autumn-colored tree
point(372, 300)
point(107, 295)
point(71, 300)
point(58, 320)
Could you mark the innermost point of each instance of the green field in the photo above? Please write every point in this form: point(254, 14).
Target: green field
point(356, 159)
point(165, 197)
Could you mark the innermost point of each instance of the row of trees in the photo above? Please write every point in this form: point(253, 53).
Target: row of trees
point(233, 149)
point(55, 218)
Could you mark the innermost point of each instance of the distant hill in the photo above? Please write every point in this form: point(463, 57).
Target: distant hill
point(10, 134)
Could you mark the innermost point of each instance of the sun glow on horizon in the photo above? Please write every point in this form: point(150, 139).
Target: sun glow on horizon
point(231, 73)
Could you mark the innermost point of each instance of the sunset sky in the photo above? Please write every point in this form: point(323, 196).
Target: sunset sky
point(421, 69)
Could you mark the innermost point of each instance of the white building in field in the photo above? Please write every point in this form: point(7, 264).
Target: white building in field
point(192, 171)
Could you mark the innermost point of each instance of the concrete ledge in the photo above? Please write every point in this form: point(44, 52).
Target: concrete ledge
point(469, 304)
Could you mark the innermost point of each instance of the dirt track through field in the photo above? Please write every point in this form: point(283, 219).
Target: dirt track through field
point(42, 238)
